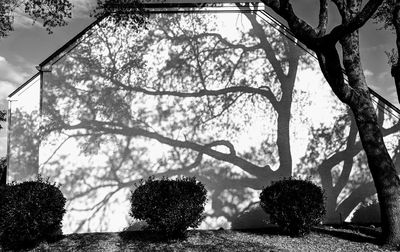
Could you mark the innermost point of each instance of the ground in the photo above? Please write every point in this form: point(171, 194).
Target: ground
point(322, 238)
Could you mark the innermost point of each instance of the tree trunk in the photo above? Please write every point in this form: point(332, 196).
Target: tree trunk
point(356, 95)
point(396, 65)
point(382, 169)
point(396, 76)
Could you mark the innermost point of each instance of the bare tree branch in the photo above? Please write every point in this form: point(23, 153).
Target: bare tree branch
point(340, 4)
point(303, 31)
point(331, 68)
point(323, 17)
point(354, 24)
point(395, 71)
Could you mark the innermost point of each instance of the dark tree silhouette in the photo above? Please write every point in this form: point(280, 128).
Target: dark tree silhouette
point(3, 117)
point(354, 92)
point(338, 144)
point(388, 15)
point(3, 161)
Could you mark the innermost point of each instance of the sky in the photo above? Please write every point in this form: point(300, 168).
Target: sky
point(28, 45)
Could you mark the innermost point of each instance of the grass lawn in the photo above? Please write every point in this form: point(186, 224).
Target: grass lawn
point(321, 239)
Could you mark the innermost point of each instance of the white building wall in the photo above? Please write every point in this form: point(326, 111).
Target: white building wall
point(100, 133)
point(24, 132)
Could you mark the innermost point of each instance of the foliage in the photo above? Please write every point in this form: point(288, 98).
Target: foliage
point(3, 160)
point(3, 168)
point(51, 13)
point(367, 213)
point(295, 205)
point(384, 14)
point(129, 13)
point(169, 206)
point(3, 116)
point(30, 212)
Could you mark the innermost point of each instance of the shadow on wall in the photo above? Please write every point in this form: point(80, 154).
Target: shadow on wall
point(335, 155)
point(24, 146)
point(188, 96)
point(367, 213)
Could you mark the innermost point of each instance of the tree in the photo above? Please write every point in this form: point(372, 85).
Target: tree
point(388, 14)
point(331, 145)
point(354, 92)
point(3, 160)
point(3, 116)
point(51, 13)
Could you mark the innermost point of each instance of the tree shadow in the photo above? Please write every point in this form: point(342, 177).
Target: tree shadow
point(188, 97)
point(172, 129)
point(351, 233)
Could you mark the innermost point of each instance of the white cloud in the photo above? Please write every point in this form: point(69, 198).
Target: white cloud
point(11, 73)
point(6, 88)
point(368, 73)
point(11, 77)
point(82, 8)
point(384, 75)
point(22, 20)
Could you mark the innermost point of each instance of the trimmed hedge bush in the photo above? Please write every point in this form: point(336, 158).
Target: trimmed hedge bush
point(30, 212)
point(294, 205)
point(169, 206)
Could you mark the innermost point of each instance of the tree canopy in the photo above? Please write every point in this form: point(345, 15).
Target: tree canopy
point(388, 15)
point(3, 117)
point(50, 13)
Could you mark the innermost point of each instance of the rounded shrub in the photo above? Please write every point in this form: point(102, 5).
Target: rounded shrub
point(30, 212)
point(294, 205)
point(169, 206)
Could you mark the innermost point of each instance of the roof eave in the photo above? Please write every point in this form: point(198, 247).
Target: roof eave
point(22, 86)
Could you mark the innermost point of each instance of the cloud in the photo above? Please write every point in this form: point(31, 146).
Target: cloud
point(22, 20)
point(6, 89)
point(11, 73)
point(368, 73)
point(83, 8)
point(11, 76)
